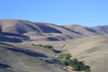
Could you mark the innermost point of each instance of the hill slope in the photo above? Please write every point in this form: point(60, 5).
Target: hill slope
point(90, 46)
point(93, 50)
point(89, 31)
point(35, 31)
point(26, 59)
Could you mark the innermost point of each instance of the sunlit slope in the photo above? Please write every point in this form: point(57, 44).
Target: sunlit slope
point(94, 50)
point(88, 31)
point(16, 59)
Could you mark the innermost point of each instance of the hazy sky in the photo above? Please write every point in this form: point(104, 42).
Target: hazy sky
point(60, 12)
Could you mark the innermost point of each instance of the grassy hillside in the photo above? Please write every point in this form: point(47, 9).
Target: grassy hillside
point(93, 50)
point(17, 54)
point(22, 30)
point(26, 59)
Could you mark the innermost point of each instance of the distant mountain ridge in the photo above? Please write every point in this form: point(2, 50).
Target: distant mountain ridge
point(46, 31)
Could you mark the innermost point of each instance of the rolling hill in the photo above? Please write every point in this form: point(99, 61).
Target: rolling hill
point(17, 54)
point(92, 50)
point(27, 59)
point(20, 30)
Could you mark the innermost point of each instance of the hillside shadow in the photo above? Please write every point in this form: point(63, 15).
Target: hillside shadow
point(27, 52)
point(12, 34)
point(71, 30)
point(12, 38)
point(53, 39)
point(6, 39)
point(57, 51)
point(35, 29)
point(69, 36)
point(7, 44)
point(91, 30)
point(4, 66)
point(48, 29)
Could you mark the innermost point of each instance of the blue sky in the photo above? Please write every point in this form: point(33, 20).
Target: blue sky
point(60, 12)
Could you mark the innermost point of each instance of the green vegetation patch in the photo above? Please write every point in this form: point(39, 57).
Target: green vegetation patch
point(33, 45)
point(64, 56)
point(45, 46)
point(74, 63)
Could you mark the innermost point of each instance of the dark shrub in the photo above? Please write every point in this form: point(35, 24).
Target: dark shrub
point(64, 63)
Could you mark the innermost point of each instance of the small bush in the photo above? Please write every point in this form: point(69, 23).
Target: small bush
point(64, 63)
point(40, 45)
point(45, 46)
point(33, 45)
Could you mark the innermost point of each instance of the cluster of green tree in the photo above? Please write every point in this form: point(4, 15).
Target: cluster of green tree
point(64, 56)
point(74, 63)
point(45, 46)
